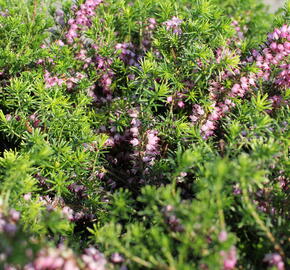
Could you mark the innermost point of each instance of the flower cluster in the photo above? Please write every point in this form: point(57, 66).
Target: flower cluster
point(127, 54)
point(276, 49)
point(93, 259)
point(283, 78)
point(106, 75)
point(83, 57)
point(117, 258)
point(8, 223)
point(148, 34)
point(172, 221)
point(54, 258)
point(152, 147)
point(82, 22)
point(229, 258)
point(134, 161)
point(55, 204)
point(70, 82)
point(283, 181)
point(63, 258)
point(59, 17)
point(151, 151)
point(4, 13)
point(82, 19)
point(240, 34)
point(274, 259)
point(197, 113)
point(174, 25)
point(82, 216)
point(51, 81)
point(110, 168)
point(223, 236)
point(177, 100)
point(267, 60)
point(11, 235)
point(135, 126)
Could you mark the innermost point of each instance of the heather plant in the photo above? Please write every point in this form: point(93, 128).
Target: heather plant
point(144, 135)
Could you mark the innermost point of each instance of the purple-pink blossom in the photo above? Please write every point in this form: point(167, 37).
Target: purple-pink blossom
point(274, 259)
point(174, 25)
point(229, 258)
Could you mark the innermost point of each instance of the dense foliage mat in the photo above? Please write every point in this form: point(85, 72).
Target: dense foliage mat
point(144, 134)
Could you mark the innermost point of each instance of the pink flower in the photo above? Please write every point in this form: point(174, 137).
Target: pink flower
point(169, 99)
point(274, 259)
point(174, 24)
point(136, 122)
point(180, 104)
point(133, 113)
point(59, 43)
point(27, 196)
point(236, 88)
point(110, 142)
point(229, 258)
point(134, 142)
point(68, 212)
point(223, 236)
point(208, 126)
point(134, 131)
point(152, 23)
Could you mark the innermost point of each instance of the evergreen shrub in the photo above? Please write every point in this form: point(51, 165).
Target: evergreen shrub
point(144, 134)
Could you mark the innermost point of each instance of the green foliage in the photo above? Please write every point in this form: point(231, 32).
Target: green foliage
point(72, 185)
